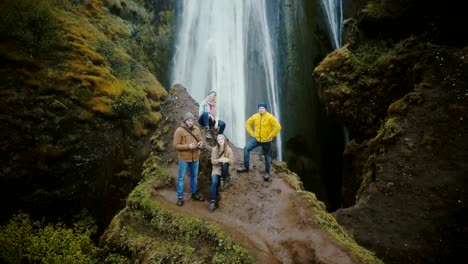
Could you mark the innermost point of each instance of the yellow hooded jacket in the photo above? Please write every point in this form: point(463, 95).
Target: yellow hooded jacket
point(266, 127)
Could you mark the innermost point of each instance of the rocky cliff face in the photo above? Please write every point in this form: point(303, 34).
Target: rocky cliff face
point(79, 98)
point(403, 96)
point(81, 94)
point(255, 222)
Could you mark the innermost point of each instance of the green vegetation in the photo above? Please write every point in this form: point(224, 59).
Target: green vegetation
point(102, 68)
point(26, 241)
point(120, 63)
point(63, 67)
point(32, 26)
point(376, 9)
point(150, 39)
point(168, 237)
point(367, 56)
point(131, 106)
point(368, 175)
point(329, 223)
point(390, 129)
point(290, 177)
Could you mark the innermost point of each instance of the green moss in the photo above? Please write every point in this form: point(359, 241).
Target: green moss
point(334, 61)
point(152, 233)
point(139, 130)
point(294, 181)
point(397, 108)
point(329, 224)
point(32, 25)
point(324, 219)
point(390, 129)
point(85, 116)
point(340, 90)
point(375, 9)
point(155, 105)
point(367, 56)
point(368, 175)
point(154, 118)
point(116, 58)
point(101, 105)
point(167, 129)
point(131, 107)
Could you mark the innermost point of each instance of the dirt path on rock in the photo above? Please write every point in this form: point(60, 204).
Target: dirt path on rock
point(271, 219)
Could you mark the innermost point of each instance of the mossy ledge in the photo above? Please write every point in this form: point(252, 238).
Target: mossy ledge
point(148, 233)
point(326, 221)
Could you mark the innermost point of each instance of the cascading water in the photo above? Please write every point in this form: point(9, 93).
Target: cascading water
point(334, 13)
point(227, 46)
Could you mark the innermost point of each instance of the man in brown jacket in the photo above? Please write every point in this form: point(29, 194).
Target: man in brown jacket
point(188, 142)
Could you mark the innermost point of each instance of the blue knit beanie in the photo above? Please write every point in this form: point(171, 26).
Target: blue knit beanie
point(262, 105)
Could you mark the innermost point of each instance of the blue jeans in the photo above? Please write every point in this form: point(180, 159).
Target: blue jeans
point(253, 143)
point(215, 178)
point(204, 121)
point(183, 166)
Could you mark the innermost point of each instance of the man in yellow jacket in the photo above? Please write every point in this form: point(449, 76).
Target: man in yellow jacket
point(266, 127)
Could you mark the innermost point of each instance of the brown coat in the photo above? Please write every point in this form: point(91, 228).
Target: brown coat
point(215, 156)
point(181, 142)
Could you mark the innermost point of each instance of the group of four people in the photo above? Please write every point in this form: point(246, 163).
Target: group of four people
point(188, 142)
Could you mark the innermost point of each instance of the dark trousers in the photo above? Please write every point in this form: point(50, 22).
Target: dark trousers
point(204, 121)
point(215, 179)
point(253, 143)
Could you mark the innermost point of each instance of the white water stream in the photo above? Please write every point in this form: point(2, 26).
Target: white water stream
point(334, 13)
point(226, 46)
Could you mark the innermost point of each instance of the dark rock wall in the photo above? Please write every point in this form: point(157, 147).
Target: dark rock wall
point(312, 143)
point(54, 165)
point(398, 86)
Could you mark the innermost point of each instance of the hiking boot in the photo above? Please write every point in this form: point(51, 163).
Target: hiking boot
point(180, 201)
point(242, 169)
point(212, 207)
point(197, 197)
point(222, 184)
point(266, 176)
point(208, 132)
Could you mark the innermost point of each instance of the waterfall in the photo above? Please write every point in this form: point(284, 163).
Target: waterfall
point(227, 46)
point(334, 13)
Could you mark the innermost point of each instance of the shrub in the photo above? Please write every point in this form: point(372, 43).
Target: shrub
point(119, 61)
point(376, 9)
point(131, 107)
point(32, 25)
point(25, 241)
